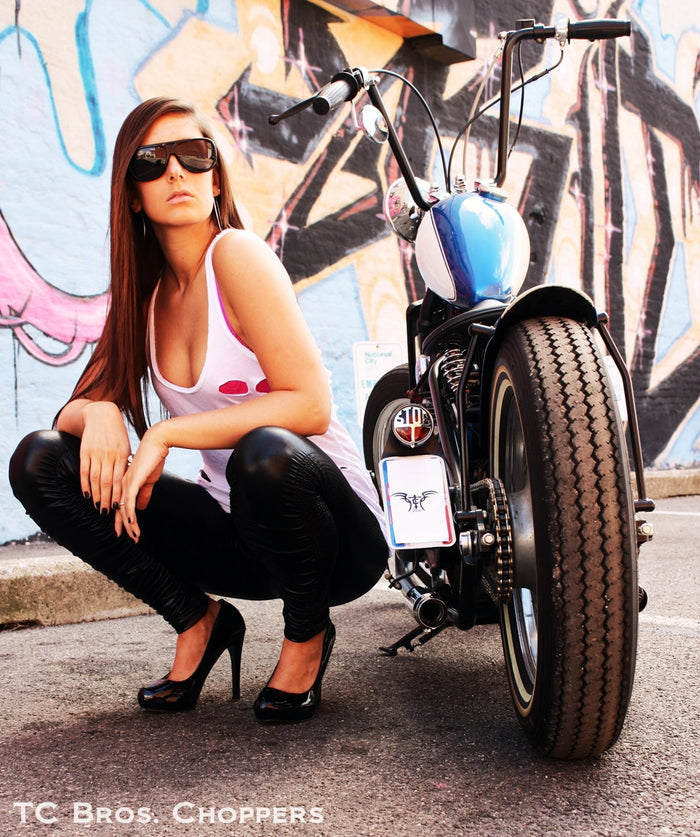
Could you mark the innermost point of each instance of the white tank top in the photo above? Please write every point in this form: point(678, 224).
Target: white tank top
point(230, 375)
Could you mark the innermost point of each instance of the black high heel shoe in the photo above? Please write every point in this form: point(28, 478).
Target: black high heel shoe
point(178, 695)
point(276, 706)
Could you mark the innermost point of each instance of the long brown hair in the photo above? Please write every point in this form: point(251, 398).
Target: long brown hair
point(117, 370)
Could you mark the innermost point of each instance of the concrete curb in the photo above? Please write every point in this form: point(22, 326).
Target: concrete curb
point(39, 587)
point(43, 584)
point(679, 483)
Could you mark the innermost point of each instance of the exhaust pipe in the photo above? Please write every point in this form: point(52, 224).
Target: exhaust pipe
point(429, 610)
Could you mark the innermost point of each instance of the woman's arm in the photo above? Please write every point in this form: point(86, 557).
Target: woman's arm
point(104, 448)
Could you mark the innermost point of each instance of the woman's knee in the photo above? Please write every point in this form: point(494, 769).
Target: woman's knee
point(263, 458)
point(35, 460)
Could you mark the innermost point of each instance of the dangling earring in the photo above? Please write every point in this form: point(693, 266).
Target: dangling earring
point(143, 223)
point(217, 215)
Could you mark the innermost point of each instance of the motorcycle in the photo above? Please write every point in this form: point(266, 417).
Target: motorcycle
point(500, 449)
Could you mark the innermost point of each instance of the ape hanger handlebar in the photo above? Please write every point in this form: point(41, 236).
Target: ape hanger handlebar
point(345, 86)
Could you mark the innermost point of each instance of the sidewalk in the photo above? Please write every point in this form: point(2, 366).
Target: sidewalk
point(43, 584)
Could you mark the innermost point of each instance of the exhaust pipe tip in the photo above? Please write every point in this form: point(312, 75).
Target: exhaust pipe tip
point(430, 611)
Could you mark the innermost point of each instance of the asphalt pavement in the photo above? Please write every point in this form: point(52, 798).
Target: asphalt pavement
point(421, 744)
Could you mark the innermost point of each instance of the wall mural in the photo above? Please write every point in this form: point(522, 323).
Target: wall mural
point(606, 174)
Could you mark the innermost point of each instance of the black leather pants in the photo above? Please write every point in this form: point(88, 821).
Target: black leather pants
point(296, 531)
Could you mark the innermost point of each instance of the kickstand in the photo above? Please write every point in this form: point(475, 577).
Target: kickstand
point(420, 633)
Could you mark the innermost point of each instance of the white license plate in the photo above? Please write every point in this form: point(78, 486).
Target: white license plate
point(416, 501)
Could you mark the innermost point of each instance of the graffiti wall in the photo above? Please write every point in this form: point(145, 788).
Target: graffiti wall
point(606, 173)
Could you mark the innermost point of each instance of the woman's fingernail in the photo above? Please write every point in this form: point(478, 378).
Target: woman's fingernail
point(115, 505)
point(86, 494)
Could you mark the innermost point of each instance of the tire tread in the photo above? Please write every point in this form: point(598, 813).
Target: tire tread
point(585, 491)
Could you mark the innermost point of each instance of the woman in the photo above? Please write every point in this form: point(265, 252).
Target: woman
point(282, 507)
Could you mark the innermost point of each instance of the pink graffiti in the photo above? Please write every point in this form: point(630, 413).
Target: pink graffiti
point(27, 300)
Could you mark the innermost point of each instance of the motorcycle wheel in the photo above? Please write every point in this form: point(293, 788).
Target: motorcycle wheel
point(569, 626)
point(388, 393)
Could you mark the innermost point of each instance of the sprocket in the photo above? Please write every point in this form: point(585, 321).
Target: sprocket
point(495, 504)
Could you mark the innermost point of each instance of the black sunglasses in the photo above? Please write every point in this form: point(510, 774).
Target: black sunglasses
point(150, 161)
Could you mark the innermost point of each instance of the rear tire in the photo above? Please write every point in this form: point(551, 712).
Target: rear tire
point(569, 628)
point(387, 394)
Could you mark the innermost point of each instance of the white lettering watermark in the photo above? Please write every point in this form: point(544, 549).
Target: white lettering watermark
point(182, 813)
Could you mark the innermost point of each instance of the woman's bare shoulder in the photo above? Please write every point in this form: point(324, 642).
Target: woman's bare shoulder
point(235, 241)
point(239, 252)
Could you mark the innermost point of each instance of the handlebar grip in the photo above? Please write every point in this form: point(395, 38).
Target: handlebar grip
point(594, 30)
point(341, 88)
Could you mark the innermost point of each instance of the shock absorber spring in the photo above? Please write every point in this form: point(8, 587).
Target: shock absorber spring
point(452, 367)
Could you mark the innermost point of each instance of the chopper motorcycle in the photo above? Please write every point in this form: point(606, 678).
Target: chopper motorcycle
point(500, 450)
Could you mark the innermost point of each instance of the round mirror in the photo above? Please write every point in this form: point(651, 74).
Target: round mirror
point(373, 124)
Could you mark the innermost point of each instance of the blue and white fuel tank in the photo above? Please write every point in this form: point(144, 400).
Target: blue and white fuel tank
point(473, 246)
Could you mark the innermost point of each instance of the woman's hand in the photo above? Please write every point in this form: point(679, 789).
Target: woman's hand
point(104, 453)
point(139, 479)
